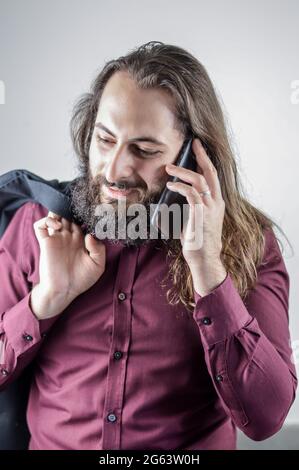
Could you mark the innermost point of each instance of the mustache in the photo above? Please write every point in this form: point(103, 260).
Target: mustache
point(95, 185)
point(100, 180)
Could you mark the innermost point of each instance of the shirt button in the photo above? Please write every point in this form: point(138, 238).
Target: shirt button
point(111, 417)
point(4, 372)
point(219, 378)
point(27, 337)
point(118, 355)
point(206, 321)
point(121, 296)
point(44, 335)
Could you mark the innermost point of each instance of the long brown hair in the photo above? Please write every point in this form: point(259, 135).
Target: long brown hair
point(198, 110)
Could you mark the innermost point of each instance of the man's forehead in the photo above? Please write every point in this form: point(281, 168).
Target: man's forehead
point(123, 95)
point(131, 123)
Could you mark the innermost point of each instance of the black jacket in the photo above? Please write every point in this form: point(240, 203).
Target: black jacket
point(16, 188)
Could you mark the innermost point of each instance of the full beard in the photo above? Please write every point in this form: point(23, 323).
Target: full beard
point(86, 194)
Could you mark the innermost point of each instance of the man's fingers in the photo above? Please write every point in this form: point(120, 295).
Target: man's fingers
point(65, 223)
point(53, 222)
point(76, 229)
point(54, 216)
point(46, 226)
point(41, 229)
point(96, 248)
point(53, 225)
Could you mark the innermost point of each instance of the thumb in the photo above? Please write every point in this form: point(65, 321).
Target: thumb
point(96, 248)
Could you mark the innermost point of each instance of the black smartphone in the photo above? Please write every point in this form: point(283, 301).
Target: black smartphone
point(185, 159)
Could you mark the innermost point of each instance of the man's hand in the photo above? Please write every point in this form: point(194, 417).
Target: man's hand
point(206, 214)
point(70, 263)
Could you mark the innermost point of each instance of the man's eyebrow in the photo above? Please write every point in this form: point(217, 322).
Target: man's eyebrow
point(145, 138)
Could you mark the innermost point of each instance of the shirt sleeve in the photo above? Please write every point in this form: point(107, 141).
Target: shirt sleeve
point(247, 346)
point(21, 333)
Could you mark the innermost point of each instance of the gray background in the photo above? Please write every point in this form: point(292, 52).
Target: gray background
point(50, 51)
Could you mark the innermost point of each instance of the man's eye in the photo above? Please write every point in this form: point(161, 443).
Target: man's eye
point(100, 139)
point(144, 152)
point(139, 151)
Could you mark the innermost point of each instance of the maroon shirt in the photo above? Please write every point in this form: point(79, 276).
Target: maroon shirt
point(122, 369)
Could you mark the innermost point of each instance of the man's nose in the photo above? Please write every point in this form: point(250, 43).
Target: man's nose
point(119, 165)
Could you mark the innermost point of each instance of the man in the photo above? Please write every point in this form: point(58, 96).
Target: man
point(148, 344)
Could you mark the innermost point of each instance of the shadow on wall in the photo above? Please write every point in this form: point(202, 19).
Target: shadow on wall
point(286, 439)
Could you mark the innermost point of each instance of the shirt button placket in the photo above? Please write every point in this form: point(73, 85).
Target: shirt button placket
point(119, 349)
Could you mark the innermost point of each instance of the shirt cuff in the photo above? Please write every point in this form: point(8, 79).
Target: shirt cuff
point(221, 313)
point(22, 327)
